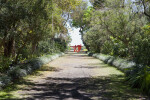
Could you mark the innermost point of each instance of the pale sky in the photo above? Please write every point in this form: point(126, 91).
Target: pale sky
point(76, 37)
point(75, 34)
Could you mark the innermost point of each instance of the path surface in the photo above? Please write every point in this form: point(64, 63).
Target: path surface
point(77, 77)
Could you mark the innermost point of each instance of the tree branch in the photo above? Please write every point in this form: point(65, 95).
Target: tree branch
point(143, 2)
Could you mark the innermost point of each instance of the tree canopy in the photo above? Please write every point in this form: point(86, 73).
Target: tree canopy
point(30, 28)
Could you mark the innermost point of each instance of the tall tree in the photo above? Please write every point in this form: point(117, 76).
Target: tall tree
point(81, 19)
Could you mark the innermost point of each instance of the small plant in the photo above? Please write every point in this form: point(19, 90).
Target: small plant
point(4, 64)
point(139, 77)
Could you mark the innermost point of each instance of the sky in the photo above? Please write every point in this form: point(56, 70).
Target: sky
point(76, 37)
point(75, 34)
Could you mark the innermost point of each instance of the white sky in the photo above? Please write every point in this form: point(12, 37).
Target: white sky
point(75, 34)
point(76, 37)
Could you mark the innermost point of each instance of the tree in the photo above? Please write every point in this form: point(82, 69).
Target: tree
point(24, 24)
point(81, 19)
point(116, 24)
point(146, 5)
point(97, 4)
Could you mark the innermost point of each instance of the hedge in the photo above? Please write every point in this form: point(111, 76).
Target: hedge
point(121, 64)
point(22, 70)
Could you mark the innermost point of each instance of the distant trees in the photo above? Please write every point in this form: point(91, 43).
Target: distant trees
point(121, 28)
point(81, 19)
point(117, 28)
point(146, 6)
point(97, 4)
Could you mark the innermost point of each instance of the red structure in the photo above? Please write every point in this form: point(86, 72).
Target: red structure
point(77, 48)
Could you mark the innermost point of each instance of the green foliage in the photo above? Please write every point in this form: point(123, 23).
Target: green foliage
point(119, 28)
point(116, 31)
point(60, 45)
point(121, 64)
point(4, 64)
point(140, 77)
point(97, 4)
point(28, 28)
point(81, 19)
point(21, 70)
point(141, 46)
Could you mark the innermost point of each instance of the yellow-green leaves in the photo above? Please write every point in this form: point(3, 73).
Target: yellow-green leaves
point(30, 31)
point(67, 5)
point(146, 29)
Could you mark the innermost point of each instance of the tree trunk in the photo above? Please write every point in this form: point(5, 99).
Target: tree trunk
point(87, 46)
point(14, 48)
point(127, 46)
point(19, 51)
point(8, 46)
point(34, 45)
point(145, 11)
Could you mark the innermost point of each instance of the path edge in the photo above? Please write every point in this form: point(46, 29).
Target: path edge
point(19, 71)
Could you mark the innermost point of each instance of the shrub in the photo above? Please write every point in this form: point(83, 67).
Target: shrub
point(121, 64)
point(17, 72)
point(4, 80)
point(139, 77)
point(111, 60)
point(21, 70)
point(4, 63)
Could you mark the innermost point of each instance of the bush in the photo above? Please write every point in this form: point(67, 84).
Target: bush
point(122, 64)
point(17, 72)
point(4, 80)
point(139, 77)
point(90, 54)
point(21, 70)
point(4, 63)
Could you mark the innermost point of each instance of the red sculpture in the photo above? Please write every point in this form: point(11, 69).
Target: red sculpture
point(79, 47)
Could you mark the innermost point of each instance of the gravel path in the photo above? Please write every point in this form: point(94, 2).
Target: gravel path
point(76, 76)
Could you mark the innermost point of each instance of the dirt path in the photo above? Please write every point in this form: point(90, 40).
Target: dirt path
point(76, 77)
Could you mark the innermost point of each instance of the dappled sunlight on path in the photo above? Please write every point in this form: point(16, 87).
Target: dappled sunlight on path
point(77, 77)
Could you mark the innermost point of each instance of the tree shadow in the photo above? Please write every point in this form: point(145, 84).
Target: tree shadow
point(6, 92)
point(98, 88)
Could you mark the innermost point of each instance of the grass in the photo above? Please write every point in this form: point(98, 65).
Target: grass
point(85, 50)
point(110, 87)
point(111, 84)
point(10, 92)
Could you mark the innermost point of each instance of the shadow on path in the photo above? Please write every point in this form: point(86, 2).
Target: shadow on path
point(109, 86)
point(100, 88)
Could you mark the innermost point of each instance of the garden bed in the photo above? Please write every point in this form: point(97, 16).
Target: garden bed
point(121, 64)
point(22, 70)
